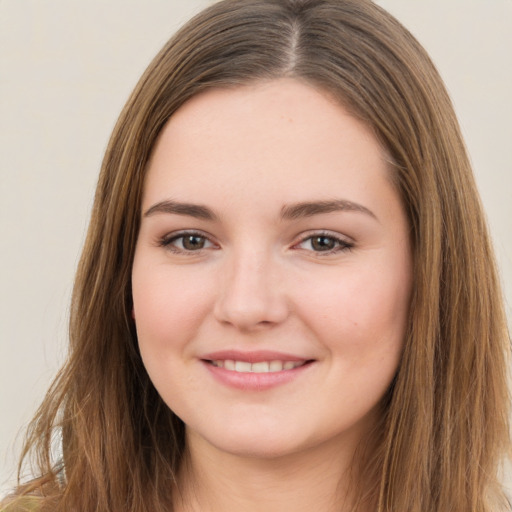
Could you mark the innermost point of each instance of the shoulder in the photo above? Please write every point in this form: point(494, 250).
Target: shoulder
point(21, 504)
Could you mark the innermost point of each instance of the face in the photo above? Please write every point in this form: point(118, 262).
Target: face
point(272, 271)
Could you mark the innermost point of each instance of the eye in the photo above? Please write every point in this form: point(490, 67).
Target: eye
point(186, 242)
point(324, 243)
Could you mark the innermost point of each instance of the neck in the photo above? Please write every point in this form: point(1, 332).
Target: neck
point(319, 479)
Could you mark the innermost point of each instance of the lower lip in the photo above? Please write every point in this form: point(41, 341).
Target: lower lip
point(249, 381)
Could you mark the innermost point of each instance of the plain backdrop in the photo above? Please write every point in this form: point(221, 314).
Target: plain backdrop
point(66, 69)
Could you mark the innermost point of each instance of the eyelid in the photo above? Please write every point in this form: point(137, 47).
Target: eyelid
point(344, 242)
point(166, 240)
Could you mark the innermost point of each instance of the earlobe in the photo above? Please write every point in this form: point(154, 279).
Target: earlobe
point(133, 314)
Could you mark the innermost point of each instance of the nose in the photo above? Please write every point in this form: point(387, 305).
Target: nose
point(251, 294)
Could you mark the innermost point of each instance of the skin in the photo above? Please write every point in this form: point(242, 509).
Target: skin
point(255, 280)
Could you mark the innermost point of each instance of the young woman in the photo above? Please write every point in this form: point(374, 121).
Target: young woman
point(287, 298)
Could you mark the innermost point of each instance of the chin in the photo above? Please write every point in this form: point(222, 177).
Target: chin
point(251, 442)
point(258, 449)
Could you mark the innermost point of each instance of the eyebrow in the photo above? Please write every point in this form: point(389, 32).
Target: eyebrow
point(289, 212)
point(176, 208)
point(308, 209)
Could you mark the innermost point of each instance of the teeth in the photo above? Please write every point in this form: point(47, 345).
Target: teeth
point(276, 366)
point(260, 367)
point(242, 366)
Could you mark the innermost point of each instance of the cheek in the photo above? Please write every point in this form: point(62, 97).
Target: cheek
point(362, 312)
point(168, 305)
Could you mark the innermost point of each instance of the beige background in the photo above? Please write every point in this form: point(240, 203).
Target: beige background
point(67, 67)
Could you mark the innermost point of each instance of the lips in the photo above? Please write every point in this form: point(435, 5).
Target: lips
point(254, 356)
point(255, 371)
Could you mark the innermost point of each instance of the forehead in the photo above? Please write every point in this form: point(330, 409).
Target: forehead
point(278, 135)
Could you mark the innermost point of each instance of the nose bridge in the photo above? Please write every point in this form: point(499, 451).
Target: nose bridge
point(250, 293)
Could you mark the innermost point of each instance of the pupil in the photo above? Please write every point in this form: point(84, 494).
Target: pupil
point(192, 242)
point(323, 243)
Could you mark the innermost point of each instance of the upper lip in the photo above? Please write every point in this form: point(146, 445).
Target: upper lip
point(256, 356)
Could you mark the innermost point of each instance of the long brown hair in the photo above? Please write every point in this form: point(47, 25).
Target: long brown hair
point(444, 429)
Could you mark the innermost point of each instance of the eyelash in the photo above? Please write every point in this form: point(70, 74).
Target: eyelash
point(340, 244)
point(167, 241)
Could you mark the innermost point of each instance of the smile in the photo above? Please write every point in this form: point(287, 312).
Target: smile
point(256, 370)
point(257, 367)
